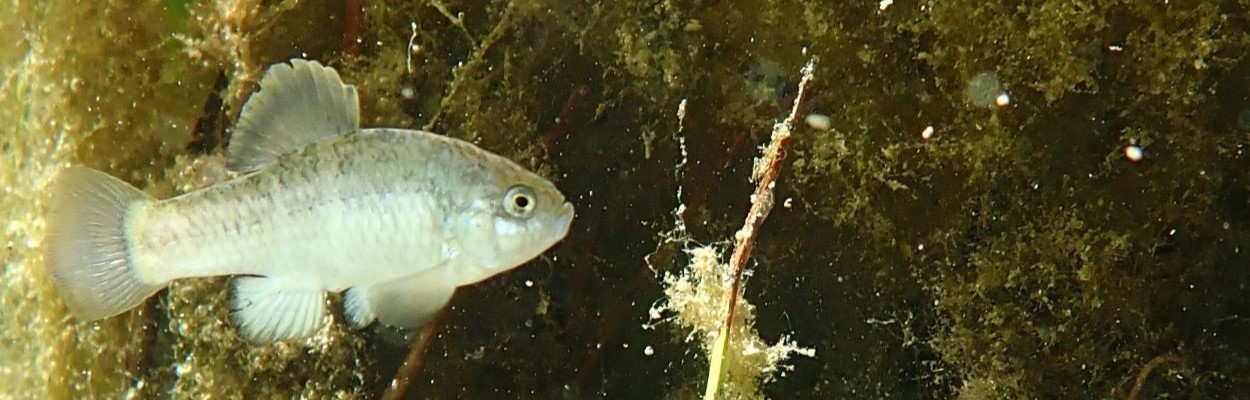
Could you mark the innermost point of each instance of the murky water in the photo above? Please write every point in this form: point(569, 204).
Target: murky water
point(1076, 230)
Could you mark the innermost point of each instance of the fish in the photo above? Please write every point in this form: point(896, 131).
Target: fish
point(396, 219)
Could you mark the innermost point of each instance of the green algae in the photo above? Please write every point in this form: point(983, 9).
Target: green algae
point(1015, 254)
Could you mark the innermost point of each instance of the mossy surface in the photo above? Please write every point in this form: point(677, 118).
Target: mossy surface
point(1017, 253)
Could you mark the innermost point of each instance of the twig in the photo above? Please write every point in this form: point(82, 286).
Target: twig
point(353, 26)
point(208, 132)
point(456, 19)
point(411, 368)
point(765, 173)
point(1150, 366)
point(474, 63)
point(561, 126)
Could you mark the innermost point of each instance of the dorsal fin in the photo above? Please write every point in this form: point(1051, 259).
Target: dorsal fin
point(298, 104)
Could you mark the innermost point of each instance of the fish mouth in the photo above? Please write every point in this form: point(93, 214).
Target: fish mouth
point(564, 219)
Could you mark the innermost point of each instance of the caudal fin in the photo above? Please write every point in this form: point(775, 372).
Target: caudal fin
point(86, 249)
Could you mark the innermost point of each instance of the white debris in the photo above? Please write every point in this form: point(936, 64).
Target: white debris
point(1002, 100)
point(1134, 153)
point(818, 121)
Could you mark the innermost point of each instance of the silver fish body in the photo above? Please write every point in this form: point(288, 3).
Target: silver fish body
point(397, 218)
point(391, 203)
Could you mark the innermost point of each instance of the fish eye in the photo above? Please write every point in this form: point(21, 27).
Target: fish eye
point(519, 201)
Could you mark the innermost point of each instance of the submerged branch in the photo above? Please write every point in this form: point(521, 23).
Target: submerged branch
point(411, 368)
point(1150, 366)
point(475, 61)
point(765, 173)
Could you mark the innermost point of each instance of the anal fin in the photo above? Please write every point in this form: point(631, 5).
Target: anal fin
point(408, 302)
point(273, 309)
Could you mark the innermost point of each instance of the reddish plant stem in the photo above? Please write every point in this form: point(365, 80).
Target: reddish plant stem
point(561, 126)
point(1150, 366)
point(411, 368)
point(353, 26)
point(767, 169)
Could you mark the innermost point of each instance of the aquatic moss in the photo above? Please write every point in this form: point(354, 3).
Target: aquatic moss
point(1015, 253)
point(1045, 253)
point(65, 100)
point(90, 86)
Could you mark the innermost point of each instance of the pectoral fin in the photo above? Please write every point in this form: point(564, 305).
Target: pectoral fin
point(408, 302)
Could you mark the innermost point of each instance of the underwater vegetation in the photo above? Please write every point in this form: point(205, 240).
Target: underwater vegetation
point(1021, 199)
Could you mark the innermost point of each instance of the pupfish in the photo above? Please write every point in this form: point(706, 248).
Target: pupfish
point(396, 218)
